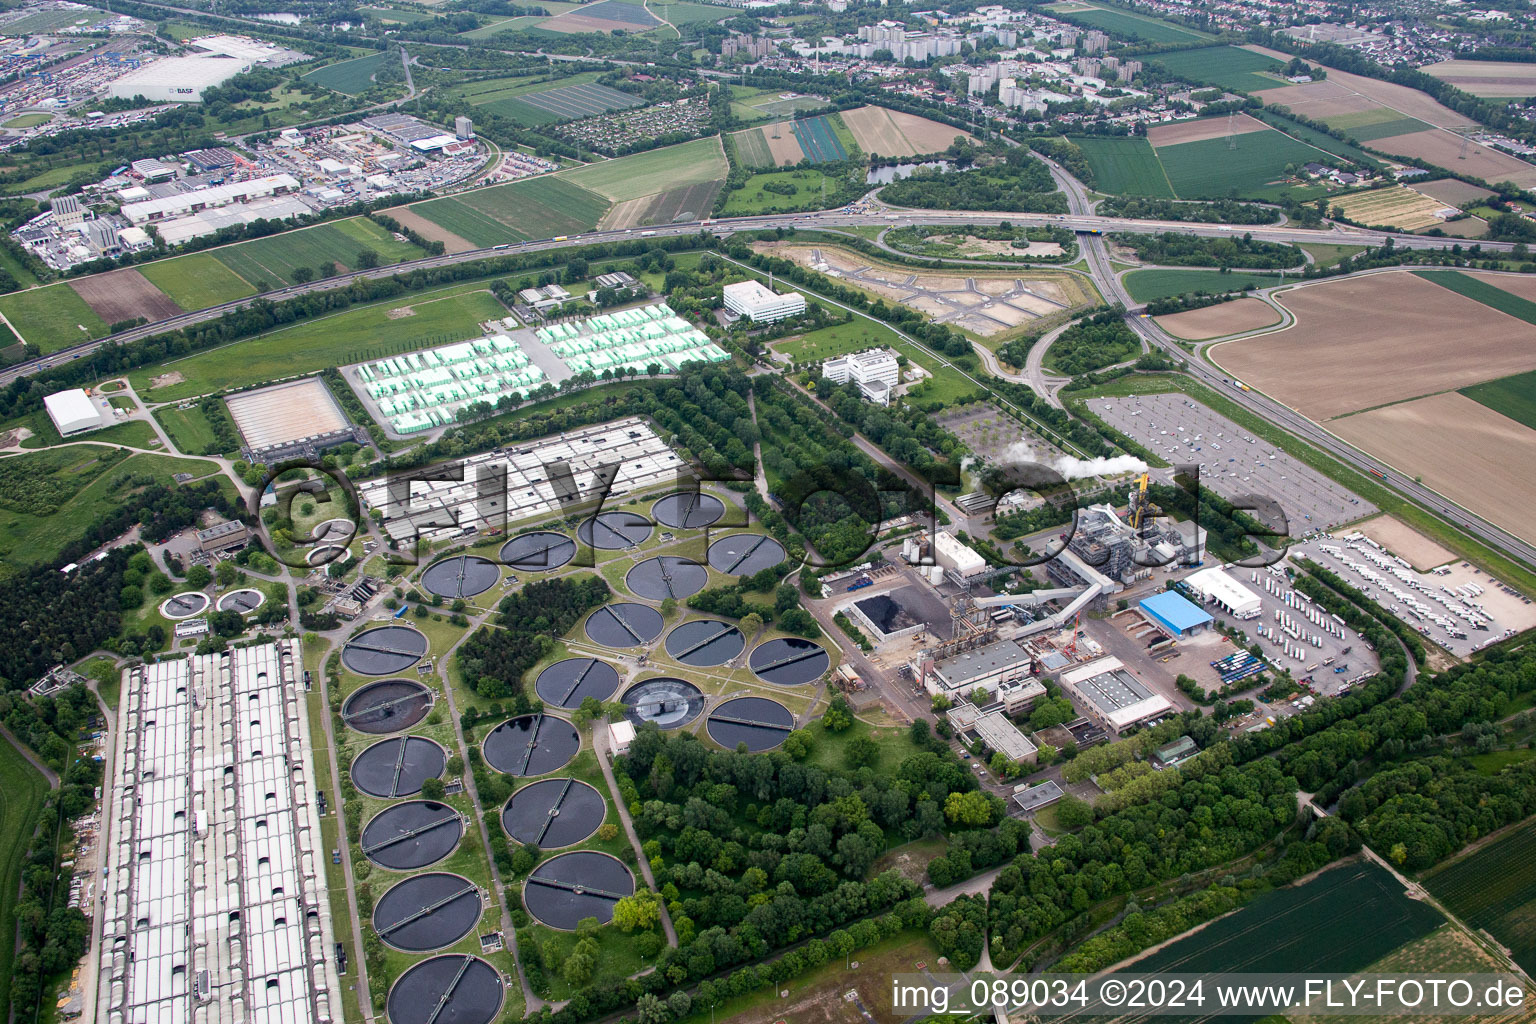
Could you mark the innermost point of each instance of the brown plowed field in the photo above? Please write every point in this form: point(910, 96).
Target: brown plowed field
point(1375, 93)
point(1319, 100)
point(893, 133)
point(1486, 78)
point(1486, 461)
point(786, 148)
point(1405, 542)
point(1515, 284)
point(1444, 149)
point(1217, 321)
point(1374, 340)
point(693, 202)
point(1202, 129)
point(1452, 192)
point(430, 231)
point(123, 295)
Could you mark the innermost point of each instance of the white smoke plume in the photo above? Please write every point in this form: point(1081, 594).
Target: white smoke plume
point(1077, 469)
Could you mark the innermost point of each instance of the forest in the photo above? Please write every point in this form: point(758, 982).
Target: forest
point(493, 661)
point(48, 617)
point(1181, 250)
point(1018, 183)
point(1217, 211)
point(1093, 343)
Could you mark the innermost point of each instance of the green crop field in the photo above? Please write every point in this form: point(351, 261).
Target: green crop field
point(22, 790)
point(1495, 888)
point(1389, 129)
point(1255, 169)
point(349, 76)
point(51, 317)
point(492, 89)
point(1124, 23)
point(196, 281)
point(1481, 291)
point(1514, 397)
point(436, 318)
point(542, 207)
point(752, 149)
point(1227, 66)
point(1313, 137)
point(1146, 285)
point(1125, 166)
point(645, 174)
point(272, 261)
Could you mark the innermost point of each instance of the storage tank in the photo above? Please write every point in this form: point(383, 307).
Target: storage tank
point(935, 574)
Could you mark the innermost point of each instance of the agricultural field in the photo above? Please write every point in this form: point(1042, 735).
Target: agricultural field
point(1487, 78)
point(604, 16)
point(1202, 128)
point(52, 318)
point(1250, 166)
point(395, 15)
point(51, 21)
point(1449, 149)
point(22, 789)
point(1226, 66)
point(772, 145)
point(878, 130)
point(659, 170)
point(1124, 23)
point(1452, 192)
point(1398, 206)
point(349, 76)
point(1505, 293)
point(274, 259)
point(1125, 166)
point(1380, 123)
point(542, 207)
point(1146, 285)
point(1345, 93)
point(1514, 397)
point(692, 202)
point(402, 324)
point(1236, 317)
point(818, 138)
point(120, 295)
point(197, 281)
point(564, 103)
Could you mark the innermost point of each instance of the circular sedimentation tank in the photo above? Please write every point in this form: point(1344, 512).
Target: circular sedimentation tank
point(565, 684)
point(612, 531)
point(325, 554)
point(428, 912)
point(657, 579)
point(409, 836)
point(461, 576)
point(245, 600)
point(384, 650)
point(625, 624)
point(789, 661)
point(760, 723)
point(537, 552)
point(397, 767)
point(553, 813)
point(704, 642)
point(455, 988)
point(184, 606)
point(531, 745)
point(567, 888)
point(667, 701)
point(387, 706)
point(334, 531)
point(688, 510)
point(743, 554)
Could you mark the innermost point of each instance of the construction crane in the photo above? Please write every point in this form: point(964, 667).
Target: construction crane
point(1141, 507)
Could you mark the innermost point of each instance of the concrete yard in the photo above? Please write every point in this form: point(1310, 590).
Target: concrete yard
point(1232, 461)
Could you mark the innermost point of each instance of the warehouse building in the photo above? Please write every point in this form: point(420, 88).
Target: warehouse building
point(1174, 614)
point(1214, 586)
point(183, 203)
point(178, 79)
point(760, 304)
point(875, 372)
point(1114, 698)
point(73, 412)
point(213, 903)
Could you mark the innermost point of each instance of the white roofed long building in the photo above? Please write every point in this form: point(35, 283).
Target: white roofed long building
point(215, 898)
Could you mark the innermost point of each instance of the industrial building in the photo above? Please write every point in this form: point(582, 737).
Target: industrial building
point(183, 203)
point(1004, 668)
point(73, 412)
point(178, 79)
point(1114, 698)
point(295, 418)
point(957, 559)
point(221, 536)
point(631, 339)
point(1032, 798)
point(1214, 586)
point(620, 735)
point(994, 729)
point(876, 373)
point(214, 905)
point(502, 486)
point(417, 391)
point(760, 304)
point(1105, 541)
point(1174, 614)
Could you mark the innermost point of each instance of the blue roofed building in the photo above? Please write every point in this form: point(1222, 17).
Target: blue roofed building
point(1175, 614)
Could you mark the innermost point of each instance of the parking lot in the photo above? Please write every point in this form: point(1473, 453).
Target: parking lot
point(1441, 603)
point(1232, 461)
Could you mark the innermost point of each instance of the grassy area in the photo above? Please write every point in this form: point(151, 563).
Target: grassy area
point(1253, 168)
point(28, 121)
point(1227, 66)
point(837, 340)
point(1125, 166)
point(1146, 285)
point(813, 190)
point(827, 748)
point(1496, 761)
point(362, 332)
point(197, 281)
point(1332, 255)
point(1514, 397)
point(645, 174)
point(52, 318)
point(188, 429)
point(1389, 501)
point(348, 76)
point(21, 798)
point(267, 263)
point(134, 434)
